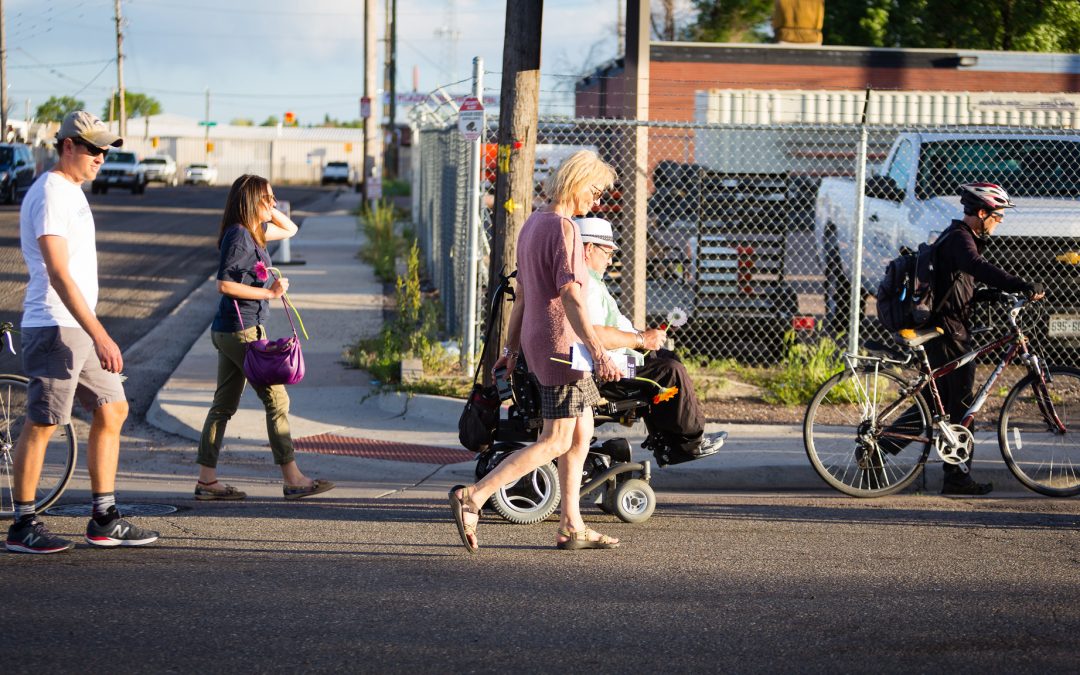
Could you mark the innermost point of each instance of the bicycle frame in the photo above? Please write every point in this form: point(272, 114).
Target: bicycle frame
point(1017, 350)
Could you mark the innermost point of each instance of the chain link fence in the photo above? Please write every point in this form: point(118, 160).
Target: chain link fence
point(752, 228)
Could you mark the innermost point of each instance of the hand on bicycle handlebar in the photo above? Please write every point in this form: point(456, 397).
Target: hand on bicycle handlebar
point(1038, 292)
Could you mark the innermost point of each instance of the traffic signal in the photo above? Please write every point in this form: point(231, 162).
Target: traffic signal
point(290, 118)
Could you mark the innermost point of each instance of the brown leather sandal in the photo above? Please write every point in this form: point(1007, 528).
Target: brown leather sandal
point(459, 506)
point(580, 539)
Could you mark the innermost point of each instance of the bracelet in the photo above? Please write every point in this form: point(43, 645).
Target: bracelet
point(640, 339)
point(509, 352)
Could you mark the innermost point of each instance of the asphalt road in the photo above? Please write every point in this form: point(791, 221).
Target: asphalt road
point(712, 583)
point(371, 578)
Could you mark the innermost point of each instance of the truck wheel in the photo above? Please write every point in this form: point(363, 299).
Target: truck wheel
point(9, 195)
point(837, 290)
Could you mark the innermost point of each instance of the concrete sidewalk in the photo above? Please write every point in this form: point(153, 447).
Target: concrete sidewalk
point(337, 408)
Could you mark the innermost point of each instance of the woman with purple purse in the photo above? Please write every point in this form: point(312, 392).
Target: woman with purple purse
point(246, 285)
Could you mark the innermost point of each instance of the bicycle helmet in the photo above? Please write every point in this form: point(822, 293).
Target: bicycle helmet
point(974, 196)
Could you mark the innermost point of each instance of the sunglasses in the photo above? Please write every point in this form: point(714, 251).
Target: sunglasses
point(998, 216)
point(91, 149)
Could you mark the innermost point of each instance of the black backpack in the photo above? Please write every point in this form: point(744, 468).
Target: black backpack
point(905, 296)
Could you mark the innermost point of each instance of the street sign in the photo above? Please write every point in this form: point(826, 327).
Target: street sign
point(207, 124)
point(471, 118)
point(365, 107)
point(373, 187)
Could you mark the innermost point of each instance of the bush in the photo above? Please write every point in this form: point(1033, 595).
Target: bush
point(383, 243)
point(802, 370)
point(413, 333)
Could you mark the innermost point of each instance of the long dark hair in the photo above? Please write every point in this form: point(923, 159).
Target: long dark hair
point(242, 207)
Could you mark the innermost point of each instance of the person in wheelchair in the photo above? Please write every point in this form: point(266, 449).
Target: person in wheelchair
point(676, 426)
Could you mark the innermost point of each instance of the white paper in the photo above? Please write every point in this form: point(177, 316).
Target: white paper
point(625, 360)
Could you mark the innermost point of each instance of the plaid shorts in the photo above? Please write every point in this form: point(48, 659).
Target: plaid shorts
point(568, 400)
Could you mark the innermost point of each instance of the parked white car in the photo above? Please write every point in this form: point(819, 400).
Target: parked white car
point(200, 173)
point(160, 168)
point(335, 172)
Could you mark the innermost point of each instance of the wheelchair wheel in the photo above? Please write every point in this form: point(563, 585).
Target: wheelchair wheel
point(633, 501)
point(531, 499)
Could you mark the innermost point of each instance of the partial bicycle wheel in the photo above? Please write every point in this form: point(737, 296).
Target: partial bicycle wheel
point(59, 461)
point(1039, 432)
point(864, 436)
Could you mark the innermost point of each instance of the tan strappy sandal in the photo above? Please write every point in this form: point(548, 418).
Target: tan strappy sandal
point(580, 540)
point(459, 506)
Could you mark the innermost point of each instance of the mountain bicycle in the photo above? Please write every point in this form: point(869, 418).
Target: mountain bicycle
point(869, 429)
point(59, 461)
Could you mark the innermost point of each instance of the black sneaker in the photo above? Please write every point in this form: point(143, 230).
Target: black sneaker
point(118, 532)
point(965, 486)
point(31, 536)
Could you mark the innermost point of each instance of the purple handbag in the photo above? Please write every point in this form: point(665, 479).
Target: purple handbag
point(270, 362)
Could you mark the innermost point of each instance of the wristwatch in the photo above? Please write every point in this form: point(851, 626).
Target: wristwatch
point(640, 339)
point(509, 352)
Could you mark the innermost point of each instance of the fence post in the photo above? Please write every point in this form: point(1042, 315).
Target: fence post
point(860, 209)
point(472, 203)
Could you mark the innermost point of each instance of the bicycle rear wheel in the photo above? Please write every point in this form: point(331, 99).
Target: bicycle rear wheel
point(59, 461)
point(1039, 432)
point(864, 436)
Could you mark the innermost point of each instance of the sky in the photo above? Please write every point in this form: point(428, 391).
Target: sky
point(261, 58)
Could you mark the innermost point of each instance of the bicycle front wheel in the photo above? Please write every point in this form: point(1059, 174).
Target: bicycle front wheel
point(864, 436)
point(59, 460)
point(1039, 432)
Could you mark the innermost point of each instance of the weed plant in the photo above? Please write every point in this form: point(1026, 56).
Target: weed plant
point(383, 242)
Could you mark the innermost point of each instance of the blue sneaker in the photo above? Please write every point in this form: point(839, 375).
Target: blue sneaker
point(118, 532)
point(31, 536)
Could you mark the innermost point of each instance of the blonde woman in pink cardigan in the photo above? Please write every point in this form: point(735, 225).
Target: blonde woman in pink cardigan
point(550, 315)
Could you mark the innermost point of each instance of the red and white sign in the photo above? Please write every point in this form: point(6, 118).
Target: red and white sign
point(365, 107)
point(471, 118)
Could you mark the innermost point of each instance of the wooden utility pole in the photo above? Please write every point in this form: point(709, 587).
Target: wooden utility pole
point(633, 170)
point(518, 112)
point(390, 86)
point(372, 152)
point(3, 79)
point(120, 69)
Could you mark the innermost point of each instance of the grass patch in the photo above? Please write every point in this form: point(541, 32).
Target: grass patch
point(803, 369)
point(412, 333)
point(383, 244)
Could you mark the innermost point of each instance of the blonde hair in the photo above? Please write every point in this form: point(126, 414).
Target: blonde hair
point(582, 169)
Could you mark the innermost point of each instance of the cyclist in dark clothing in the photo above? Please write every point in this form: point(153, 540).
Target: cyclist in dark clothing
point(958, 266)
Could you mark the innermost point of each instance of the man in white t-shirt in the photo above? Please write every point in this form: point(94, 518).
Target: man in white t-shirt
point(67, 353)
point(676, 426)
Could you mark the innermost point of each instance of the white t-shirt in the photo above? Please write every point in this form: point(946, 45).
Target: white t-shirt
point(56, 206)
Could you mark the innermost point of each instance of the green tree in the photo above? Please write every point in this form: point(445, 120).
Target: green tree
point(1008, 25)
point(271, 121)
point(57, 107)
point(242, 122)
point(135, 105)
point(731, 21)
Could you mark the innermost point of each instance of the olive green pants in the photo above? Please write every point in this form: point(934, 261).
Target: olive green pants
point(230, 385)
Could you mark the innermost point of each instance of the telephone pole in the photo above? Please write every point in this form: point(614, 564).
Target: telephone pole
point(372, 153)
point(518, 113)
point(3, 78)
point(120, 69)
point(390, 86)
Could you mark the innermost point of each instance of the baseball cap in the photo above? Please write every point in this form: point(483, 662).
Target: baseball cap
point(596, 231)
point(84, 125)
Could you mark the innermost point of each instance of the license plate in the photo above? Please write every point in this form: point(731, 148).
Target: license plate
point(1063, 325)
point(113, 179)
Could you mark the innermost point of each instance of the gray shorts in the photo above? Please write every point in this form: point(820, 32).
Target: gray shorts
point(568, 400)
point(62, 365)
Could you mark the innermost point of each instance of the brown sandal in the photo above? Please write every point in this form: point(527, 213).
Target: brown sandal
point(460, 506)
point(579, 539)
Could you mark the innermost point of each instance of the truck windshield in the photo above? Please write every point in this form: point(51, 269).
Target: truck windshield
point(1024, 167)
point(120, 158)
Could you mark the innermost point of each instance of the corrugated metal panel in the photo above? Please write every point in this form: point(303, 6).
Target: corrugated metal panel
point(801, 106)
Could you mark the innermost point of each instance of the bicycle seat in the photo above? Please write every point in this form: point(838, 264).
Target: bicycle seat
point(913, 337)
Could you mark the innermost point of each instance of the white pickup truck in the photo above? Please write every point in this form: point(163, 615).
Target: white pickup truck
point(914, 196)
